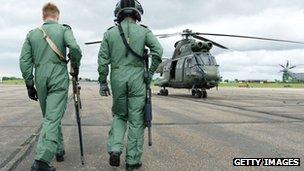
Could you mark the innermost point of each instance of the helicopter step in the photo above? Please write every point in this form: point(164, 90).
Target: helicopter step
point(199, 93)
point(163, 92)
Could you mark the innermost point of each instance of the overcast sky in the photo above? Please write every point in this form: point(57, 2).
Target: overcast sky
point(246, 60)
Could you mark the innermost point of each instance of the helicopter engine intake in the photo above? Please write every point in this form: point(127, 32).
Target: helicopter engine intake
point(201, 46)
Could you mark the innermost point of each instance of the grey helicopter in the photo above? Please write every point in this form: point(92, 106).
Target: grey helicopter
point(192, 66)
point(289, 76)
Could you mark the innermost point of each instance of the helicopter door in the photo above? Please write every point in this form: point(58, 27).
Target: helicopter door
point(173, 70)
point(179, 74)
point(188, 65)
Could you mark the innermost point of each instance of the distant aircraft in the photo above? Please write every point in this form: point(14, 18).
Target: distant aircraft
point(289, 76)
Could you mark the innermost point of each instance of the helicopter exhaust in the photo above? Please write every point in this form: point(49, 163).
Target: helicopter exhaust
point(201, 46)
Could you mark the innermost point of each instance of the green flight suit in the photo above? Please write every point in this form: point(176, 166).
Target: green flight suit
point(127, 84)
point(51, 81)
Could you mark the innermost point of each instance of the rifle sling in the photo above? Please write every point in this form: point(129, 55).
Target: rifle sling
point(53, 45)
point(122, 34)
point(143, 57)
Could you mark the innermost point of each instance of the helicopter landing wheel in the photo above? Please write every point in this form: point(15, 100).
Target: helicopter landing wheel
point(163, 92)
point(193, 92)
point(166, 92)
point(205, 94)
point(198, 94)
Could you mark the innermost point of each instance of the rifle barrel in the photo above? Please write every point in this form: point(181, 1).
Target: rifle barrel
point(80, 139)
point(77, 104)
point(149, 137)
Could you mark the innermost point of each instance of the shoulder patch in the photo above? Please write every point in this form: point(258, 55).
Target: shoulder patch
point(144, 26)
point(67, 26)
point(110, 28)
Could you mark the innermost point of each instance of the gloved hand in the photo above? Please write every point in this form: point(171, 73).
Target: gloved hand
point(148, 77)
point(32, 93)
point(75, 73)
point(104, 89)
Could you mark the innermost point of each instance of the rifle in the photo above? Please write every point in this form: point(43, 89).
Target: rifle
point(148, 105)
point(78, 107)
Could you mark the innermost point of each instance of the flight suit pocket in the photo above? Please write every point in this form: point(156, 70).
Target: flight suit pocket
point(120, 107)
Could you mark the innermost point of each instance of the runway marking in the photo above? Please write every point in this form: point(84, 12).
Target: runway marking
point(25, 106)
point(21, 151)
point(168, 123)
point(5, 99)
point(17, 126)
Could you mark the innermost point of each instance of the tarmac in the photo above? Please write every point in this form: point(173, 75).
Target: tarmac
point(188, 133)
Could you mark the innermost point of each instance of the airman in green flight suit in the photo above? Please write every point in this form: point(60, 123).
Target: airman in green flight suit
point(51, 81)
point(127, 81)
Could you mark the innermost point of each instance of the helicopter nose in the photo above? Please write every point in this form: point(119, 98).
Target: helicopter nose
point(212, 74)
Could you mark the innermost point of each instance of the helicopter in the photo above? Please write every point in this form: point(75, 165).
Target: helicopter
point(289, 76)
point(192, 66)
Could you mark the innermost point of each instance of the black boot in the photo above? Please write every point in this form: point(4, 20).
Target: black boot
point(114, 159)
point(41, 166)
point(60, 156)
point(130, 167)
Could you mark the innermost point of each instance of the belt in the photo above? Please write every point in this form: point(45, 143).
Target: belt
point(129, 65)
point(56, 63)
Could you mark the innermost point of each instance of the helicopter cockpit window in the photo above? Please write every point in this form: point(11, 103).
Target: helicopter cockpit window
point(204, 59)
point(213, 59)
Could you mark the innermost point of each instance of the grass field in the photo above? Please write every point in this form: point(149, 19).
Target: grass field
point(263, 85)
point(235, 85)
point(13, 82)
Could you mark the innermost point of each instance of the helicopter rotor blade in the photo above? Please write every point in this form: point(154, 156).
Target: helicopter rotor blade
point(287, 64)
point(214, 43)
point(167, 35)
point(91, 43)
point(292, 67)
point(163, 37)
point(249, 37)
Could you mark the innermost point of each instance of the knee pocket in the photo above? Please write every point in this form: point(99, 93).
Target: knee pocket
point(120, 107)
point(51, 137)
